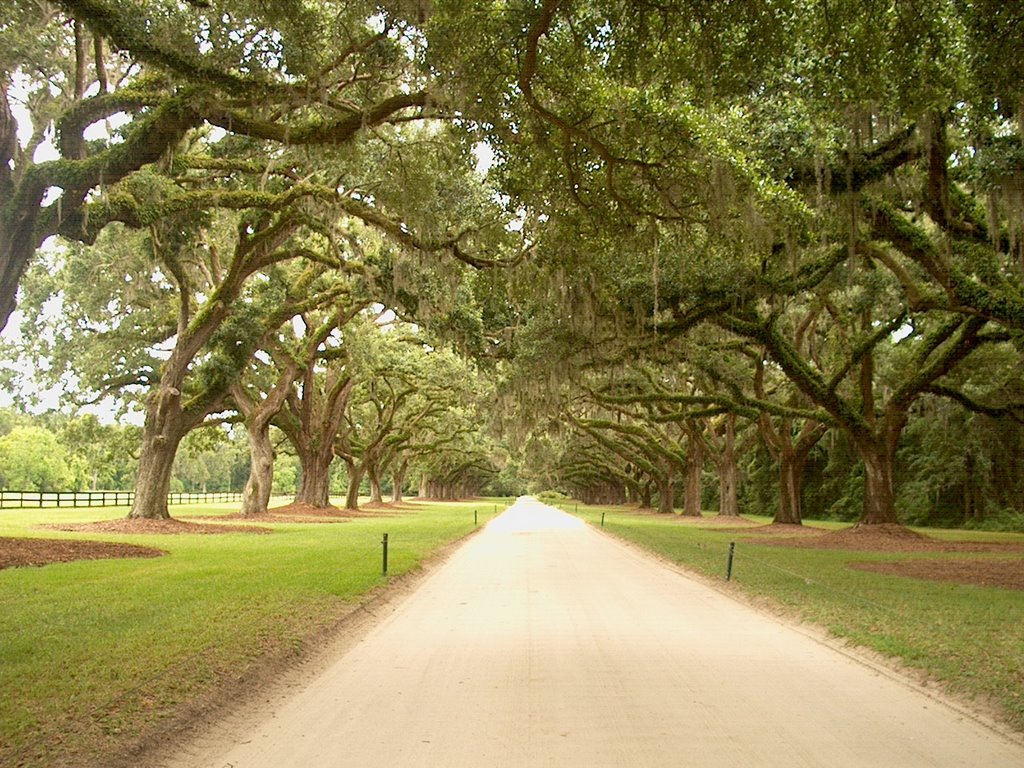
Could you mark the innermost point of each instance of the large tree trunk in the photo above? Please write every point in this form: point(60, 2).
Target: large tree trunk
point(791, 455)
point(315, 476)
point(878, 453)
point(258, 415)
point(728, 472)
point(256, 495)
point(17, 245)
point(398, 480)
point(312, 429)
point(879, 499)
point(667, 495)
point(791, 479)
point(694, 470)
point(728, 483)
point(153, 482)
point(162, 433)
point(645, 495)
point(376, 497)
point(12, 244)
point(355, 479)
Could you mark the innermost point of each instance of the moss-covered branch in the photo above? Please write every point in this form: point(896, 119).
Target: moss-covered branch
point(328, 132)
point(998, 301)
point(123, 30)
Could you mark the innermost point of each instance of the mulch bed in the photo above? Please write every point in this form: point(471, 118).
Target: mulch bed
point(170, 526)
point(876, 538)
point(15, 553)
point(716, 521)
point(300, 512)
point(1006, 574)
point(294, 513)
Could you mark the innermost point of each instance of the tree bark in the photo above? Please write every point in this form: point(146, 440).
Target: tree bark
point(667, 494)
point(694, 469)
point(376, 497)
point(311, 425)
point(791, 478)
point(258, 416)
point(728, 472)
point(879, 499)
point(164, 428)
point(153, 482)
point(355, 480)
point(728, 482)
point(315, 475)
point(792, 458)
point(256, 494)
point(398, 480)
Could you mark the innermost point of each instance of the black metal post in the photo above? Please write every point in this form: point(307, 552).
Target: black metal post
point(602, 519)
point(384, 567)
point(728, 565)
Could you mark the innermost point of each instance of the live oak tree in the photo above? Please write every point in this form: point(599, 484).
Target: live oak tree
point(435, 408)
point(385, 372)
point(291, 75)
point(672, 166)
point(462, 470)
point(202, 316)
point(278, 197)
point(260, 394)
point(776, 147)
point(789, 439)
point(313, 411)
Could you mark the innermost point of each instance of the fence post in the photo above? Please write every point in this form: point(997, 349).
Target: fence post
point(384, 567)
point(728, 564)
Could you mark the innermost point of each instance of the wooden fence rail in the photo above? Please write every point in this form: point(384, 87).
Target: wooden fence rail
point(37, 499)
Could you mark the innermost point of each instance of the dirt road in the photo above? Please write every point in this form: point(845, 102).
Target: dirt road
point(541, 642)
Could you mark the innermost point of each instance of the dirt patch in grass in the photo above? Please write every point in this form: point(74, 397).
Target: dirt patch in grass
point(16, 553)
point(785, 529)
point(881, 538)
point(989, 572)
point(722, 521)
point(293, 513)
point(169, 526)
point(713, 521)
point(1006, 574)
point(301, 512)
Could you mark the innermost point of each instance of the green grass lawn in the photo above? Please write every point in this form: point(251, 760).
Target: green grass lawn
point(969, 638)
point(93, 653)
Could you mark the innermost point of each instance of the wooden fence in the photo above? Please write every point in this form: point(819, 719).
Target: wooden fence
point(37, 499)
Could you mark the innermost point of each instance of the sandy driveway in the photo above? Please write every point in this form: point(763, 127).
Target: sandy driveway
point(541, 642)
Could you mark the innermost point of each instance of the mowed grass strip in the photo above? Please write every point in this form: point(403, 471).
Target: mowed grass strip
point(93, 654)
point(968, 638)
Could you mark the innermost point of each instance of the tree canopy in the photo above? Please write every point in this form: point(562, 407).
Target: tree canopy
point(740, 247)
